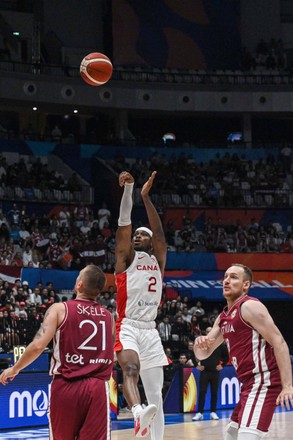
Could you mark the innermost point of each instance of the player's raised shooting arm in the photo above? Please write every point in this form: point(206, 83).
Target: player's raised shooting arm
point(158, 239)
point(124, 252)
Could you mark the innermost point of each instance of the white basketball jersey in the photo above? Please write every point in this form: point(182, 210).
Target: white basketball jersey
point(139, 289)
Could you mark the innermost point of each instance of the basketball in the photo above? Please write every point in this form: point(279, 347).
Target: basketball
point(96, 69)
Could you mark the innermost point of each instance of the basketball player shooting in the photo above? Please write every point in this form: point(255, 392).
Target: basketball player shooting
point(139, 270)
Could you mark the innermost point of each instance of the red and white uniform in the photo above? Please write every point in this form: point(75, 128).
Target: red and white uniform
point(139, 291)
point(81, 364)
point(256, 368)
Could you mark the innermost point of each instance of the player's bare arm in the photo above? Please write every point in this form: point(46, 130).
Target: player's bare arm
point(205, 345)
point(257, 315)
point(158, 241)
point(124, 252)
point(39, 343)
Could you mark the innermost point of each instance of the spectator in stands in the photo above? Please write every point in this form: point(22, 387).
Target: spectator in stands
point(24, 234)
point(45, 296)
point(76, 264)
point(53, 296)
point(194, 326)
point(191, 361)
point(86, 226)
point(3, 219)
point(104, 215)
point(27, 255)
point(54, 251)
point(80, 213)
point(13, 215)
point(26, 290)
point(286, 246)
point(73, 185)
point(35, 297)
point(186, 316)
point(182, 360)
point(56, 133)
point(16, 260)
point(4, 233)
point(164, 329)
point(9, 338)
point(197, 309)
point(65, 217)
point(20, 309)
point(179, 330)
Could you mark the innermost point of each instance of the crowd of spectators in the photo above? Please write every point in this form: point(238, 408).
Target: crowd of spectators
point(34, 179)
point(220, 236)
point(75, 235)
point(22, 310)
point(23, 306)
point(227, 181)
point(68, 239)
point(268, 55)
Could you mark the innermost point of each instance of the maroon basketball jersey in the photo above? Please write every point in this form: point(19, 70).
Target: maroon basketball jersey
point(249, 352)
point(83, 344)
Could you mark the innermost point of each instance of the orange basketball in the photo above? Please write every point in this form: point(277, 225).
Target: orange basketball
point(96, 69)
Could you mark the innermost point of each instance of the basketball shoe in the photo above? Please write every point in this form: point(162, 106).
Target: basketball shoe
point(143, 419)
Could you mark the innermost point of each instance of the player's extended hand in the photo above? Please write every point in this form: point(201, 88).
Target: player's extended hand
point(203, 342)
point(148, 184)
point(125, 177)
point(8, 373)
point(285, 398)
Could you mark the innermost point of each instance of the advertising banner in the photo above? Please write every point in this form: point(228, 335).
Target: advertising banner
point(208, 285)
point(25, 401)
point(184, 391)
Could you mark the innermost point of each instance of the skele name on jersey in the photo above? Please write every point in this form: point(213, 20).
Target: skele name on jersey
point(90, 310)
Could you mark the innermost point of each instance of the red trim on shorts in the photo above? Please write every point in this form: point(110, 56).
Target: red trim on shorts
point(118, 346)
point(121, 282)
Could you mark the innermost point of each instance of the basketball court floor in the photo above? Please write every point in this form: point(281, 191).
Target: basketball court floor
point(178, 426)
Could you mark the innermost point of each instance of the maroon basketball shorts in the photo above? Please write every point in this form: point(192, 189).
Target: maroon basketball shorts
point(79, 409)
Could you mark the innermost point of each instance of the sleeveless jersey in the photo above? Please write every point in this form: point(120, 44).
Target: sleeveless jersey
point(139, 289)
point(83, 344)
point(249, 352)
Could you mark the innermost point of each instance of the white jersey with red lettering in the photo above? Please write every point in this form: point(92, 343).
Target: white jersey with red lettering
point(139, 289)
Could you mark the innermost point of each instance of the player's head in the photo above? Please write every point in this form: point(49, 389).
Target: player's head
point(237, 280)
point(90, 281)
point(142, 239)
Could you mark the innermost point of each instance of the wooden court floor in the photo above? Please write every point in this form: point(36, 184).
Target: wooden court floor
point(178, 427)
point(281, 428)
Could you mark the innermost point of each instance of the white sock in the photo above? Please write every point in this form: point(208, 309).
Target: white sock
point(136, 409)
point(245, 435)
point(231, 431)
point(153, 391)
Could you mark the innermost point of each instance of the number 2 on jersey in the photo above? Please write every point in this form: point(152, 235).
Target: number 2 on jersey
point(83, 345)
point(152, 285)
